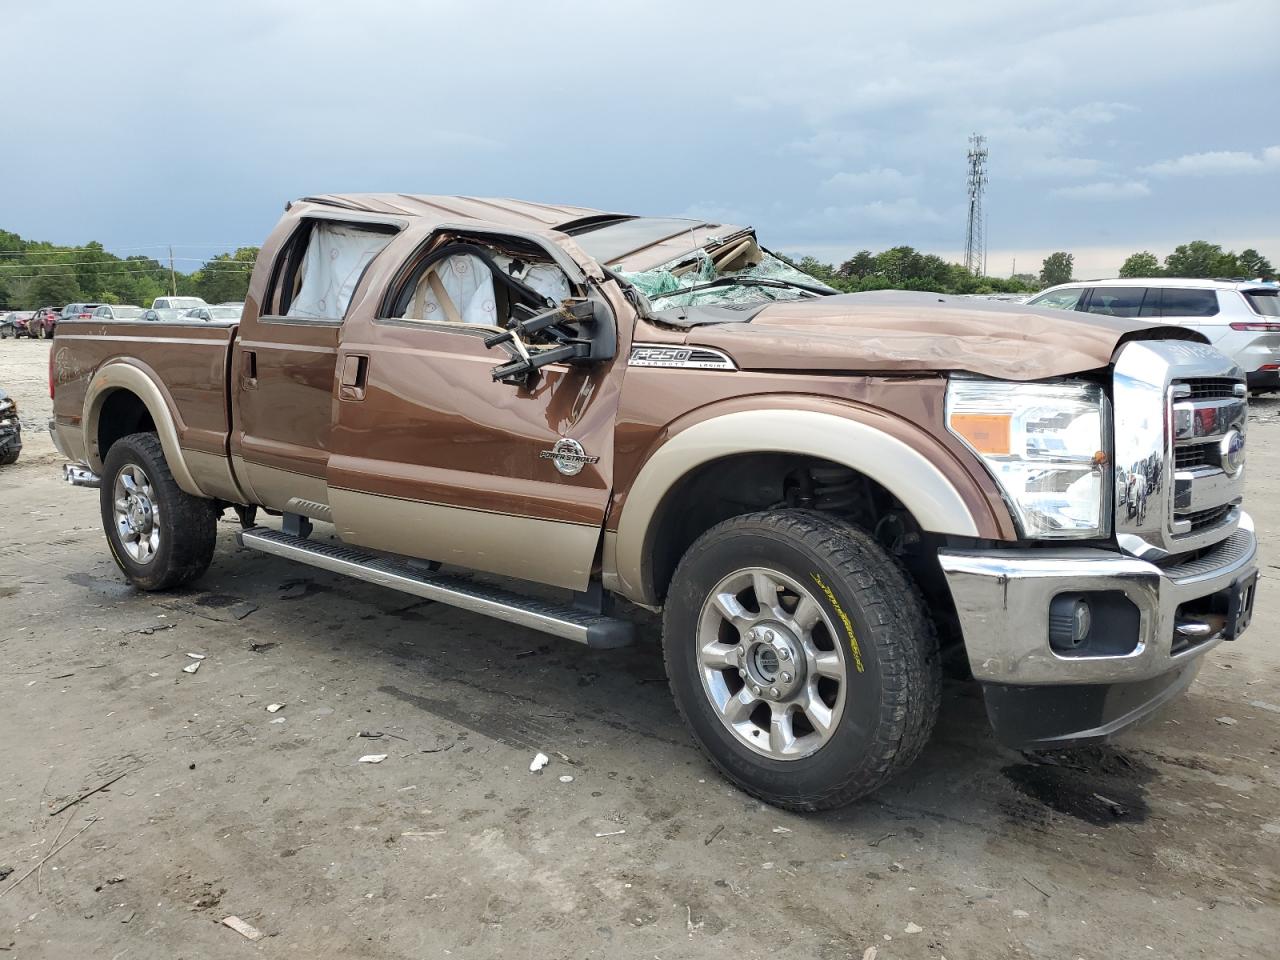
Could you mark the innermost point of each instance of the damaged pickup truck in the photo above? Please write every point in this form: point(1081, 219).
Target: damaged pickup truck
point(824, 494)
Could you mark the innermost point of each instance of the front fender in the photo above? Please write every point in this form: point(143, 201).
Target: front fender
point(903, 458)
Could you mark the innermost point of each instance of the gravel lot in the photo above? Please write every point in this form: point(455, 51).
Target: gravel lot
point(627, 845)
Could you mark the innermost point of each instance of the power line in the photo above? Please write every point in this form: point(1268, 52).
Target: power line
point(224, 267)
point(44, 251)
point(99, 263)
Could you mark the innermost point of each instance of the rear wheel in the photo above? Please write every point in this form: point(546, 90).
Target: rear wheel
point(9, 455)
point(159, 535)
point(801, 657)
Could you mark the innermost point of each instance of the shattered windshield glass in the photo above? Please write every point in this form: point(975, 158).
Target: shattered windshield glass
point(669, 285)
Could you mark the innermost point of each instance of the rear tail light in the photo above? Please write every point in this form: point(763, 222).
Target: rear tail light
point(1257, 327)
point(1269, 367)
point(86, 316)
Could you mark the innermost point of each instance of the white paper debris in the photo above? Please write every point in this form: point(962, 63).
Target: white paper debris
point(196, 656)
point(540, 761)
point(869, 953)
point(611, 833)
point(913, 928)
point(1021, 914)
point(191, 667)
point(566, 779)
point(278, 720)
point(781, 830)
point(245, 930)
point(274, 707)
point(370, 757)
point(1227, 721)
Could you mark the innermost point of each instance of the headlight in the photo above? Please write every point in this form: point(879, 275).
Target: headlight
point(1045, 444)
point(7, 405)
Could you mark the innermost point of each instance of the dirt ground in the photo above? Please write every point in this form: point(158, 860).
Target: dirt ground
point(627, 845)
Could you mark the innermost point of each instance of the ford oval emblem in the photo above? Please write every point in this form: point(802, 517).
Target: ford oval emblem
point(1231, 451)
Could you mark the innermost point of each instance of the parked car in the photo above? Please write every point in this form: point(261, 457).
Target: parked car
point(73, 311)
point(163, 314)
point(214, 313)
point(118, 311)
point(177, 303)
point(16, 324)
point(825, 494)
point(43, 323)
point(1240, 318)
point(10, 429)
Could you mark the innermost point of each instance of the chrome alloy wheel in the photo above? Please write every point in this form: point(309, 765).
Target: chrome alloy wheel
point(137, 513)
point(771, 664)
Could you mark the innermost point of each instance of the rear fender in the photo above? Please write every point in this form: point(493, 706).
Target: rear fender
point(142, 382)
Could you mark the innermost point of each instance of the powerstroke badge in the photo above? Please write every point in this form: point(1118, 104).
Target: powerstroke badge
point(568, 456)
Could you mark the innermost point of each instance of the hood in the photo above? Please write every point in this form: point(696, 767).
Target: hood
point(899, 331)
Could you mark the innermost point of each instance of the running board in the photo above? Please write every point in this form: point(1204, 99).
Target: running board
point(593, 629)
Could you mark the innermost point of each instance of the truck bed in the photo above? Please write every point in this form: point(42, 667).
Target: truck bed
point(187, 361)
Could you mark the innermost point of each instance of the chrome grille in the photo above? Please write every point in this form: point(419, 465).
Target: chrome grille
point(1210, 388)
point(1178, 406)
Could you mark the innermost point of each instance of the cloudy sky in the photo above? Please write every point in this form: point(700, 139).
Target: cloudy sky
point(1112, 127)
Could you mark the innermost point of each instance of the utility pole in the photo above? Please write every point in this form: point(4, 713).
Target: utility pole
point(173, 280)
point(975, 244)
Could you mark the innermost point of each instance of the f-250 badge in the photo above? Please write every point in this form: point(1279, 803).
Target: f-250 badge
point(568, 456)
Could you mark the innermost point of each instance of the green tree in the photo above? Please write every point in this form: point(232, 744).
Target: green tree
point(1255, 266)
point(226, 276)
point(1057, 268)
point(861, 264)
point(53, 289)
point(1198, 259)
point(1144, 264)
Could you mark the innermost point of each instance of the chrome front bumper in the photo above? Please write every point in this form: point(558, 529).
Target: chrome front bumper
point(1002, 599)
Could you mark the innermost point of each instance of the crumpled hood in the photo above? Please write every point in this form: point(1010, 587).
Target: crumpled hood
point(900, 331)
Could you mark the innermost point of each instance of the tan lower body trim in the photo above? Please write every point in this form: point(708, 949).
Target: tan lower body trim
point(545, 551)
point(212, 473)
point(276, 488)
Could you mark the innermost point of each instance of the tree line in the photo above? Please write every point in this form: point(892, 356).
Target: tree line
point(36, 274)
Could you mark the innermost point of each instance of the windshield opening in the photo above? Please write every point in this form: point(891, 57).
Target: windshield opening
point(676, 283)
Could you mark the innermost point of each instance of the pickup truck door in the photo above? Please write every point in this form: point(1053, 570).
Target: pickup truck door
point(282, 369)
point(433, 459)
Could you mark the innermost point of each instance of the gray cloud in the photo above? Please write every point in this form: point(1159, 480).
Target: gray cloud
point(830, 128)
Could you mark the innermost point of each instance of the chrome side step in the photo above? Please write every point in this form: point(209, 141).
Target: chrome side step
point(593, 629)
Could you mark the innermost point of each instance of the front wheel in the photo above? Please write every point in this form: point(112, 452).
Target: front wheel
point(159, 535)
point(800, 654)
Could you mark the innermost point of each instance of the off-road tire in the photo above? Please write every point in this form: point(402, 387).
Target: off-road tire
point(894, 701)
point(9, 455)
point(188, 524)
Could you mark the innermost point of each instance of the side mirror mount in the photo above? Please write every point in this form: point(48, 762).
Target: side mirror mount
point(577, 331)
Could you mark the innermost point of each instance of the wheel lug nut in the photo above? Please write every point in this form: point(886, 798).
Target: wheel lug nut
point(784, 654)
point(741, 672)
point(768, 635)
point(786, 678)
point(773, 691)
point(755, 690)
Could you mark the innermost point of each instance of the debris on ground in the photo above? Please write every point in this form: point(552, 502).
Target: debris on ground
point(869, 953)
point(913, 928)
point(370, 734)
point(255, 647)
point(712, 835)
point(372, 758)
point(248, 931)
point(278, 720)
point(781, 829)
point(610, 833)
point(1117, 809)
point(540, 761)
point(89, 793)
point(566, 779)
point(191, 667)
point(274, 707)
point(4, 872)
point(129, 916)
point(1227, 721)
point(196, 656)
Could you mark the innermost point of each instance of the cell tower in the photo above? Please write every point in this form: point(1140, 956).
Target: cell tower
point(975, 243)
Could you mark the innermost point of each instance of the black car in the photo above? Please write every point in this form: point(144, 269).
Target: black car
point(10, 429)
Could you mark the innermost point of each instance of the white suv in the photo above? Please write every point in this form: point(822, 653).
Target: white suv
point(1242, 319)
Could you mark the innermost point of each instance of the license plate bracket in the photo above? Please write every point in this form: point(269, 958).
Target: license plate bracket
point(1240, 605)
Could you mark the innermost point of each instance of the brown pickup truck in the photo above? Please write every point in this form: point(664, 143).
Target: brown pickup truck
point(826, 495)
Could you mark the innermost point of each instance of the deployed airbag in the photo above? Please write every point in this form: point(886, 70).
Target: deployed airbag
point(336, 257)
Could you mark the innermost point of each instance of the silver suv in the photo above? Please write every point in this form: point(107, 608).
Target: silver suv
point(1242, 319)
